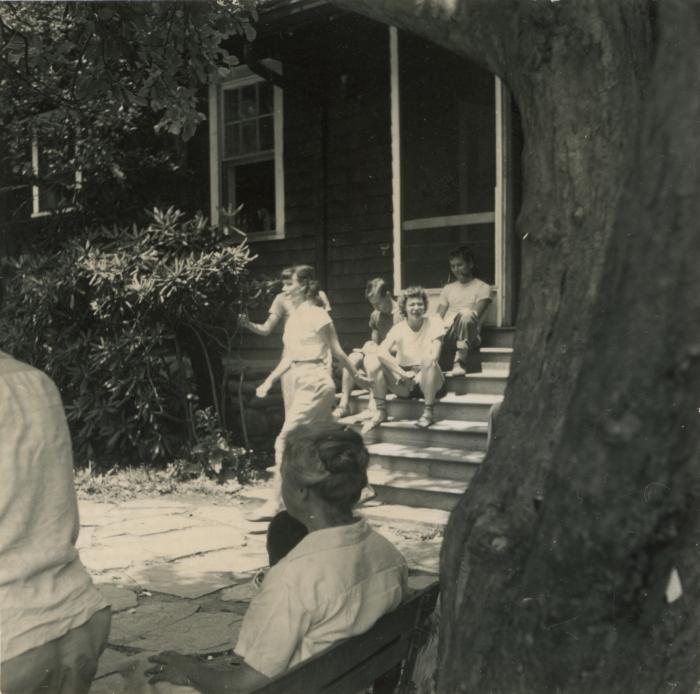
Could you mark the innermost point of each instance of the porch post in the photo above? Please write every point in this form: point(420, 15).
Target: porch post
point(395, 154)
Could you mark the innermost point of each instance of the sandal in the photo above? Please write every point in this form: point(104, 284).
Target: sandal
point(377, 418)
point(425, 421)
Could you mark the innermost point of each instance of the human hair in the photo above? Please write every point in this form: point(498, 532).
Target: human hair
point(377, 287)
point(463, 252)
point(412, 293)
point(331, 460)
point(287, 273)
point(306, 276)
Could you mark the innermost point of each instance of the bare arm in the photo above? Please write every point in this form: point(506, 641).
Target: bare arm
point(331, 337)
point(435, 347)
point(184, 670)
point(481, 307)
point(386, 358)
point(263, 329)
point(264, 388)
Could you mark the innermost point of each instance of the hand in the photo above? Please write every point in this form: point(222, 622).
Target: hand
point(408, 378)
point(263, 389)
point(170, 667)
point(362, 381)
point(243, 320)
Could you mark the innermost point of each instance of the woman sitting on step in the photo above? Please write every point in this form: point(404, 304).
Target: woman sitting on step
point(339, 579)
point(409, 360)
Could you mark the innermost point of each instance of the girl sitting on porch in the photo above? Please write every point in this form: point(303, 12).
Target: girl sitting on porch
point(309, 341)
point(335, 583)
point(409, 358)
point(463, 304)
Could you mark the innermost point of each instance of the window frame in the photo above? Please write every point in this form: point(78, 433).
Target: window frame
point(241, 77)
point(37, 212)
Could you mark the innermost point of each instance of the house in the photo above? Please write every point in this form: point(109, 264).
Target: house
point(373, 154)
point(367, 151)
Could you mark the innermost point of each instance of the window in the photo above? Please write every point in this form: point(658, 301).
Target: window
point(56, 192)
point(246, 170)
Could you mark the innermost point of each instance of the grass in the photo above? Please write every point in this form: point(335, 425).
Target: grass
point(123, 484)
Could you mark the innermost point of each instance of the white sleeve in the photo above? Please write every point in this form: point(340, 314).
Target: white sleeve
point(273, 628)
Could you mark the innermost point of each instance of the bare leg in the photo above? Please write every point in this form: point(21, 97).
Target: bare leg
point(343, 407)
point(431, 379)
point(379, 391)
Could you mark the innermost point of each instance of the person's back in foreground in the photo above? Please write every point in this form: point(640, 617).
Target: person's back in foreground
point(53, 621)
point(335, 583)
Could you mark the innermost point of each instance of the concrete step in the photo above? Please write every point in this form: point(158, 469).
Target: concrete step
point(433, 462)
point(488, 382)
point(411, 489)
point(496, 355)
point(497, 337)
point(387, 514)
point(468, 406)
point(445, 433)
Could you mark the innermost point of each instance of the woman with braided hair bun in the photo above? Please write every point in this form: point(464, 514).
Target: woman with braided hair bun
point(338, 580)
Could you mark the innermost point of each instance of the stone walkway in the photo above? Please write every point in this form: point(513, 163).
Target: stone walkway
point(178, 572)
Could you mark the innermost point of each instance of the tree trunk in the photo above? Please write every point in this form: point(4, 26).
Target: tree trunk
point(556, 560)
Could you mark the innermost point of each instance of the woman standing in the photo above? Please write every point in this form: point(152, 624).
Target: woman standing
point(309, 341)
point(279, 313)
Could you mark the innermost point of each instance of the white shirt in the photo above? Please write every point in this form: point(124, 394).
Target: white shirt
point(336, 583)
point(302, 334)
point(413, 346)
point(44, 589)
point(457, 296)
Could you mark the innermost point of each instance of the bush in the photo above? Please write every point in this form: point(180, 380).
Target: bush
point(132, 324)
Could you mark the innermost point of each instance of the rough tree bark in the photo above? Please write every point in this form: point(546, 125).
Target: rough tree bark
point(556, 560)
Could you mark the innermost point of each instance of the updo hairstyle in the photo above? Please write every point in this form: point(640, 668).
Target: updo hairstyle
point(331, 460)
point(412, 293)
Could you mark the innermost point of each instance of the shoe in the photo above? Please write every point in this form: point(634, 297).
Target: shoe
point(458, 370)
point(372, 423)
point(425, 421)
point(341, 411)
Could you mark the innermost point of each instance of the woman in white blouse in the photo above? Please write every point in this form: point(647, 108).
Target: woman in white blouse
point(334, 584)
point(310, 341)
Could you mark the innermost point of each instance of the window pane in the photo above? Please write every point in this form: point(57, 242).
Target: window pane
point(250, 136)
point(249, 106)
point(253, 186)
point(232, 140)
point(265, 97)
point(447, 132)
point(230, 105)
point(267, 135)
point(424, 253)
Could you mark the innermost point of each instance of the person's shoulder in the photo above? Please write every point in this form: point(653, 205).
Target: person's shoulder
point(384, 549)
point(481, 284)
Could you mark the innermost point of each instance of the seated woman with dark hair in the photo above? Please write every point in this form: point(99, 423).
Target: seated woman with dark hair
point(335, 583)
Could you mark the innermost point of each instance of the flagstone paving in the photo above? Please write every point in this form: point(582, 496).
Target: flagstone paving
point(178, 573)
